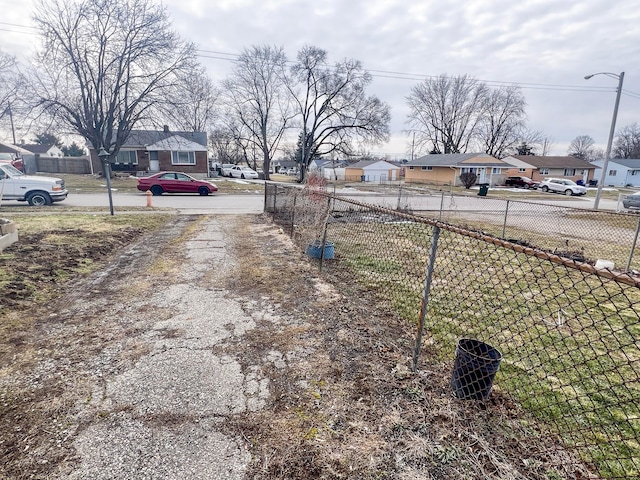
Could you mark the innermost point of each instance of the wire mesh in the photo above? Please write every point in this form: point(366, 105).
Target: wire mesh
point(566, 333)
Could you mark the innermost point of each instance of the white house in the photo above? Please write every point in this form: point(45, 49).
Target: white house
point(372, 171)
point(46, 150)
point(329, 169)
point(621, 172)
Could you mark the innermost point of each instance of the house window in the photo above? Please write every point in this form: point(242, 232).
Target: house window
point(522, 170)
point(127, 157)
point(183, 158)
point(544, 171)
point(411, 167)
point(569, 172)
point(426, 168)
point(496, 170)
point(613, 173)
point(469, 169)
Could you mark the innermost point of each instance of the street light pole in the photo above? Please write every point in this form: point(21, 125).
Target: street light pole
point(607, 154)
point(103, 155)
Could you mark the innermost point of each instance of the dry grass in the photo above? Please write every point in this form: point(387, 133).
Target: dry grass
point(344, 403)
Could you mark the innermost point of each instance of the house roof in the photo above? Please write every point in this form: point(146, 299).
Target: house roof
point(37, 147)
point(625, 162)
point(177, 143)
point(9, 148)
point(368, 163)
point(141, 139)
point(553, 162)
point(458, 160)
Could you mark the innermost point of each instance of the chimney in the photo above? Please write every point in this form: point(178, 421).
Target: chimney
point(166, 129)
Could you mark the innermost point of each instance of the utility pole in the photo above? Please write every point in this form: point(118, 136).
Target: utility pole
point(13, 130)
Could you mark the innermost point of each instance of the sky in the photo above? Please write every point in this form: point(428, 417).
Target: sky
point(546, 47)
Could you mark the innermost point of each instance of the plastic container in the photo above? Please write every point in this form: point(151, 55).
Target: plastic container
point(314, 250)
point(474, 369)
point(484, 189)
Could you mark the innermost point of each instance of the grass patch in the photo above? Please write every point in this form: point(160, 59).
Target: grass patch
point(569, 338)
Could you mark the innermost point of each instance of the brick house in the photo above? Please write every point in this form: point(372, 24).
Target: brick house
point(160, 150)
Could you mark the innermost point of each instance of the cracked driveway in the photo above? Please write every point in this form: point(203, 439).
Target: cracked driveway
point(156, 415)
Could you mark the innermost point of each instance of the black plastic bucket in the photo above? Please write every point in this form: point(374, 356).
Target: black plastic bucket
point(474, 369)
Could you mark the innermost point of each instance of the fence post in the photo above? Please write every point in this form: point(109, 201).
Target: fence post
point(399, 197)
point(441, 204)
point(324, 234)
point(633, 246)
point(266, 196)
point(275, 194)
point(293, 214)
point(504, 224)
point(425, 295)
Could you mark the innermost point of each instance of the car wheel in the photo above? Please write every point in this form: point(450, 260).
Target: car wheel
point(157, 190)
point(545, 189)
point(39, 199)
point(526, 187)
point(203, 191)
point(242, 176)
point(568, 192)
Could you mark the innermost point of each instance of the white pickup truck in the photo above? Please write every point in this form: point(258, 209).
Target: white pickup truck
point(37, 190)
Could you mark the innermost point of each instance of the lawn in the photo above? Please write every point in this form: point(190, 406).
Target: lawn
point(569, 338)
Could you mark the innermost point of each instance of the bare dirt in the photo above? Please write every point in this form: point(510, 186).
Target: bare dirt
point(343, 402)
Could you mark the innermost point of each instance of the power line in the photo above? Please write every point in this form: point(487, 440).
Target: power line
point(416, 76)
point(392, 74)
point(17, 25)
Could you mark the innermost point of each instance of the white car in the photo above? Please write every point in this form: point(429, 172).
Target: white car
point(562, 185)
point(238, 171)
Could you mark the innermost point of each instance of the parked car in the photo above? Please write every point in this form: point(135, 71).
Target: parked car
point(521, 182)
point(225, 168)
point(239, 171)
point(35, 189)
point(175, 182)
point(10, 159)
point(292, 172)
point(631, 201)
point(562, 185)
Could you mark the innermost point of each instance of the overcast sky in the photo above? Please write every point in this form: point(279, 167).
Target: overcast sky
point(545, 46)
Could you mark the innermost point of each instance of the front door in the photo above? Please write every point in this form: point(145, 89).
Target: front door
point(482, 177)
point(154, 163)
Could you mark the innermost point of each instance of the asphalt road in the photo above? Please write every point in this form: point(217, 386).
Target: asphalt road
point(253, 203)
point(187, 204)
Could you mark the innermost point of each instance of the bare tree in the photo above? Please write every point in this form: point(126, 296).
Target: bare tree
point(257, 101)
point(334, 110)
point(581, 147)
point(105, 66)
point(194, 102)
point(502, 121)
point(225, 146)
point(12, 83)
point(627, 142)
point(446, 113)
point(532, 142)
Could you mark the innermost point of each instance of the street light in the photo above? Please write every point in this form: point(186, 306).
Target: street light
point(611, 132)
point(103, 155)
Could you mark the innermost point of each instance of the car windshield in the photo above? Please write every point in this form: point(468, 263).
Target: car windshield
point(11, 170)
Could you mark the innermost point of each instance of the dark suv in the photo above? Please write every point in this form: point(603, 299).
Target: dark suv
point(521, 182)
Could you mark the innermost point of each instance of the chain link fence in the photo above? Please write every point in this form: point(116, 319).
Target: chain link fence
point(579, 233)
point(491, 293)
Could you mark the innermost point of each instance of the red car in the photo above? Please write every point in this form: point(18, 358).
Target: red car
point(175, 182)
